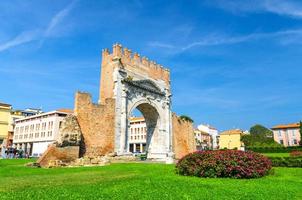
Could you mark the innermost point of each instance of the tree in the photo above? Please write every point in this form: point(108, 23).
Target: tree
point(259, 136)
point(186, 118)
point(260, 130)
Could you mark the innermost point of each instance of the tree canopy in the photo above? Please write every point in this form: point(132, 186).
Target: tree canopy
point(260, 130)
point(259, 136)
point(186, 118)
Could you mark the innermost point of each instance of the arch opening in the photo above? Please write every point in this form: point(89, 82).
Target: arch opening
point(143, 123)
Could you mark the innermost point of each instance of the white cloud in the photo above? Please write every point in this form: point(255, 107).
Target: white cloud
point(56, 19)
point(282, 7)
point(37, 34)
point(22, 38)
point(216, 39)
point(292, 8)
point(160, 45)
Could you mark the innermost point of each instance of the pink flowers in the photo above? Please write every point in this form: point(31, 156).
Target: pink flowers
point(224, 163)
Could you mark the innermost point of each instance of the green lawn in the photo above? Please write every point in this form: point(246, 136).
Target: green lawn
point(276, 154)
point(138, 181)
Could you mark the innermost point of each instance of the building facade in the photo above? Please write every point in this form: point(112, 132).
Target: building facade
point(15, 115)
point(287, 134)
point(33, 134)
point(5, 110)
point(231, 139)
point(203, 140)
point(138, 135)
point(213, 132)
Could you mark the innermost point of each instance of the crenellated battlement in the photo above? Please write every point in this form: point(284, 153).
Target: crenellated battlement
point(134, 64)
point(127, 57)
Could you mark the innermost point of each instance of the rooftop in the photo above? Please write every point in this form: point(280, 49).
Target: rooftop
point(201, 132)
point(5, 104)
point(232, 132)
point(65, 110)
point(60, 111)
point(285, 126)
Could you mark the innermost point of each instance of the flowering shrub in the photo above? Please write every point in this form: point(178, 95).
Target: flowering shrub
point(224, 163)
point(296, 154)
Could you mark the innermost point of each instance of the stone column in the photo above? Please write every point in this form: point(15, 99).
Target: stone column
point(134, 147)
point(141, 147)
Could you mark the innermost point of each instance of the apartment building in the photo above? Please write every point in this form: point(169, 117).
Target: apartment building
point(138, 135)
point(287, 134)
point(33, 134)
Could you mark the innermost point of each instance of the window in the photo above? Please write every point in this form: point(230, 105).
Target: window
point(36, 135)
point(32, 128)
point(26, 129)
point(37, 127)
point(49, 133)
point(281, 141)
point(279, 134)
point(17, 130)
point(295, 141)
point(293, 133)
point(44, 126)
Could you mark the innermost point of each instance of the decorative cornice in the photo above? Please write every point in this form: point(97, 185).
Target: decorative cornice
point(145, 85)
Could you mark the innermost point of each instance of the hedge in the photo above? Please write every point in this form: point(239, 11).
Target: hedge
point(224, 163)
point(274, 149)
point(286, 161)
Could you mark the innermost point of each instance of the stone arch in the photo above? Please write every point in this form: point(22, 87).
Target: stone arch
point(151, 114)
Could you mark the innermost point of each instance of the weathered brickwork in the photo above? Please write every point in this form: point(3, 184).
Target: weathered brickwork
point(62, 154)
point(183, 137)
point(97, 124)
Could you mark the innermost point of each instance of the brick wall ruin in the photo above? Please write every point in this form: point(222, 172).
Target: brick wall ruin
point(183, 137)
point(97, 124)
point(54, 154)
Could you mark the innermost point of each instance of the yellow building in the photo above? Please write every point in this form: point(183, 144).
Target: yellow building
point(231, 139)
point(5, 110)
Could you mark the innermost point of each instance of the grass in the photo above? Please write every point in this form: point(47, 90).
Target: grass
point(138, 181)
point(276, 154)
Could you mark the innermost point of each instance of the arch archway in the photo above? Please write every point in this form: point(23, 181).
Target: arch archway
point(143, 130)
point(154, 104)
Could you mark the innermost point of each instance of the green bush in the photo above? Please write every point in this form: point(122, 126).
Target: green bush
point(286, 161)
point(224, 163)
point(274, 149)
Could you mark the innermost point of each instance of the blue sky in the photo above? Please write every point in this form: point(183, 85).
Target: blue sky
point(234, 63)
